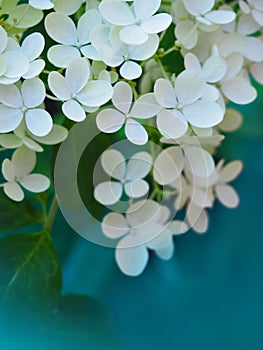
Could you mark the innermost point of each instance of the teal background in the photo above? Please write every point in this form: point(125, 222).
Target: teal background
point(208, 296)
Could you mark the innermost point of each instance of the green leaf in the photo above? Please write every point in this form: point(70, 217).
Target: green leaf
point(30, 275)
point(17, 214)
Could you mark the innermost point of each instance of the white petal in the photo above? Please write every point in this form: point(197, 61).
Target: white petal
point(109, 120)
point(145, 9)
point(165, 253)
point(33, 45)
point(10, 96)
point(145, 51)
point(73, 110)
point(187, 34)
point(77, 74)
point(122, 96)
point(10, 118)
point(199, 161)
point(14, 191)
point(8, 170)
point(95, 93)
point(62, 55)
point(227, 196)
point(86, 23)
point(130, 70)
point(221, 16)
point(68, 7)
point(3, 39)
point(239, 90)
point(214, 69)
point(116, 12)
point(135, 132)
point(35, 68)
point(197, 7)
point(232, 120)
point(141, 213)
point(56, 135)
point(38, 121)
point(258, 17)
point(178, 227)
point(17, 64)
point(33, 92)
point(41, 4)
point(161, 241)
point(247, 25)
point(189, 86)
point(133, 35)
point(203, 113)
point(254, 49)
point(168, 165)
point(171, 123)
point(157, 23)
point(10, 141)
point(35, 182)
point(138, 166)
point(114, 225)
point(256, 70)
point(136, 188)
point(132, 261)
point(61, 29)
point(230, 171)
point(145, 107)
point(197, 219)
point(108, 193)
point(24, 161)
point(113, 163)
point(31, 144)
point(59, 86)
point(164, 93)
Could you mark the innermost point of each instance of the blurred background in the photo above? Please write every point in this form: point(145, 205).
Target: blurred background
point(208, 296)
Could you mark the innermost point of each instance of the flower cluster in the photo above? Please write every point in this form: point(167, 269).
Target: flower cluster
point(108, 57)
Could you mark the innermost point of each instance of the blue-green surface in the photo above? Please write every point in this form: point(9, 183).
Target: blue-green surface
point(209, 296)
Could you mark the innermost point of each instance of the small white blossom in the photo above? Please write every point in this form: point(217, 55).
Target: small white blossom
point(16, 105)
point(17, 172)
point(111, 120)
point(130, 176)
point(76, 90)
point(13, 63)
point(73, 41)
point(138, 20)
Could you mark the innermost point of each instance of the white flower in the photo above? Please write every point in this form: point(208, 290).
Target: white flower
point(138, 20)
point(145, 225)
point(115, 53)
point(13, 63)
point(224, 192)
point(17, 172)
point(185, 102)
point(76, 90)
point(170, 163)
point(68, 7)
point(16, 105)
point(73, 41)
point(22, 136)
point(254, 9)
point(202, 10)
point(110, 120)
point(129, 176)
point(32, 47)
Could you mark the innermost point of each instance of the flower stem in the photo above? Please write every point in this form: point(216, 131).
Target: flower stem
point(51, 215)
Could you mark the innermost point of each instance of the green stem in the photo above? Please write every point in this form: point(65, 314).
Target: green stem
point(162, 68)
point(51, 215)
